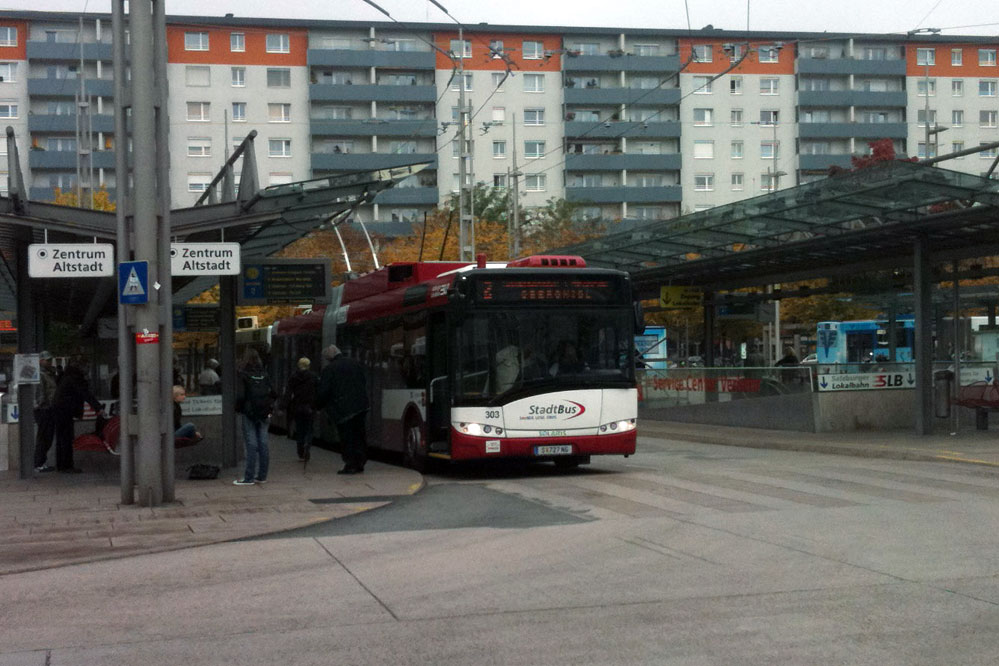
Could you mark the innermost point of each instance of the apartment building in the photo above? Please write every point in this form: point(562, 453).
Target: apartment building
point(629, 124)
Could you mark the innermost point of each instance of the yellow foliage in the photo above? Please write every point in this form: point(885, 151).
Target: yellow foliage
point(102, 200)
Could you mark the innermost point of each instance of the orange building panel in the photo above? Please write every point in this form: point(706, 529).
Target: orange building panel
point(220, 53)
point(551, 60)
point(943, 64)
point(720, 60)
point(19, 52)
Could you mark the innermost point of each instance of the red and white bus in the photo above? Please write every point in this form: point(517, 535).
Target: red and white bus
point(530, 359)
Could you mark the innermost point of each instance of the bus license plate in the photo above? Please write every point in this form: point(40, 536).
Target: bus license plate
point(553, 450)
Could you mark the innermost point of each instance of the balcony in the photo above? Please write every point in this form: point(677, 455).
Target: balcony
point(368, 161)
point(600, 195)
point(856, 130)
point(42, 50)
point(851, 98)
point(342, 92)
point(823, 162)
point(372, 58)
point(44, 122)
point(373, 127)
point(66, 159)
point(625, 63)
point(646, 96)
point(619, 161)
point(851, 66)
point(69, 87)
point(615, 129)
point(409, 196)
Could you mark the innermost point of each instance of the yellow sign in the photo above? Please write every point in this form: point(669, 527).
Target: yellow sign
point(680, 298)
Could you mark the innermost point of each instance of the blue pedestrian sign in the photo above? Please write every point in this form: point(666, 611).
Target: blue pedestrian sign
point(133, 282)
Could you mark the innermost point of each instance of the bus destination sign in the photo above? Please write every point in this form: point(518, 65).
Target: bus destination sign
point(285, 282)
point(547, 290)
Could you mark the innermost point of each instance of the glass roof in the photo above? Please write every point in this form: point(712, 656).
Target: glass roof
point(893, 193)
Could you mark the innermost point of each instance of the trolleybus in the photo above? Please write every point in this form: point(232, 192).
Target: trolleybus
point(528, 359)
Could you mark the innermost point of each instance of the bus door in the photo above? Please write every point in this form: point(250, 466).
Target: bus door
point(439, 390)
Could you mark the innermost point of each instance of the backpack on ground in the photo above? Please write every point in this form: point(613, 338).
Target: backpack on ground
point(259, 397)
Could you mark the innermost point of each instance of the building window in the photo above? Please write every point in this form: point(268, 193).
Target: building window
point(735, 85)
point(646, 212)
point(738, 182)
point(279, 178)
point(8, 72)
point(769, 150)
point(199, 146)
point(769, 86)
point(499, 149)
point(498, 79)
point(534, 116)
point(402, 147)
point(735, 117)
point(461, 48)
point(704, 182)
point(8, 36)
point(956, 57)
point(956, 147)
point(535, 182)
point(197, 75)
point(987, 57)
point(702, 53)
point(239, 111)
point(921, 117)
point(924, 85)
point(195, 41)
point(646, 49)
point(768, 54)
point(237, 41)
point(737, 150)
point(957, 87)
point(499, 114)
point(704, 150)
point(534, 82)
point(496, 48)
point(734, 51)
point(533, 50)
point(468, 83)
point(279, 147)
point(989, 153)
point(278, 43)
point(957, 117)
point(279, 113)
point(198, 111)
point(278, 77)
point(198, 182)
point(987, 119)
point(499, 180)
point(926, 56)
point(768, 117)
point(987, 88)
point(534, 149)
point(239, 77)
point(702, 117)
point(702, 85)
point(768, 182)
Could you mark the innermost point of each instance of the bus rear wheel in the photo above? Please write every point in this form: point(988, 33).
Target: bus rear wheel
point(412, 455)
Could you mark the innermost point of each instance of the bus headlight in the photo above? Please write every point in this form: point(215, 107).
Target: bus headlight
point(617, 427)
point(478, 429)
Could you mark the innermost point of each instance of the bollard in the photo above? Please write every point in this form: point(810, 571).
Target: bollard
point(943, 381)
point(981, 419)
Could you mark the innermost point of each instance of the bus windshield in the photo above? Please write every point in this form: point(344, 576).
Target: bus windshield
point(503, 353)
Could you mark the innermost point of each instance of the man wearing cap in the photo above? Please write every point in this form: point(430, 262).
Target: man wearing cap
point(343, 393)
point(44, 396)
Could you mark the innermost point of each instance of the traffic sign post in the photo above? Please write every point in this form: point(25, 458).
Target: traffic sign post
point(133, 282)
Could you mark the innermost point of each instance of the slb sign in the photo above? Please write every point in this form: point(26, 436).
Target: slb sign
point(680, 298)
point(70, 260)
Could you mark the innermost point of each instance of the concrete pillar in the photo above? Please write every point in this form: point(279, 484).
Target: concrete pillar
point(923, 350)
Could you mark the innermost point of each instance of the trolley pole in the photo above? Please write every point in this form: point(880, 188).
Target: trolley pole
point(466, 229)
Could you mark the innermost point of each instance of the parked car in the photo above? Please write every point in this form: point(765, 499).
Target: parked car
point(811, 358)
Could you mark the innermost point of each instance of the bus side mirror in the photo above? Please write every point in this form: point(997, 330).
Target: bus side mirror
point(639, 318)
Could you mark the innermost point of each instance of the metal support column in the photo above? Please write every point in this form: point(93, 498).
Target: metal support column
point(923, 352)
point(227, 351)
point(26, 344)
point(709, 330)
point(958, 348)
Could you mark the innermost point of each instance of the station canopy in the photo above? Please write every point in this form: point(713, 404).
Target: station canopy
point(855, 221)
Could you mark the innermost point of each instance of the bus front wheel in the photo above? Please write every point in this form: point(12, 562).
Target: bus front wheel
point(412, 454)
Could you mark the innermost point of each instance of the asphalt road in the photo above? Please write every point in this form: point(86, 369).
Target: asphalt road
point(683, 554)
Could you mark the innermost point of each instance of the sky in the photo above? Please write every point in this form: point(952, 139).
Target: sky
point(968, 17)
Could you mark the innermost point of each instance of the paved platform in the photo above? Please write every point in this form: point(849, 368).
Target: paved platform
point(58, 519)
point(975, 447)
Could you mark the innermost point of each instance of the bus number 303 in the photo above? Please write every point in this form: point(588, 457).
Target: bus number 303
point(492, 414)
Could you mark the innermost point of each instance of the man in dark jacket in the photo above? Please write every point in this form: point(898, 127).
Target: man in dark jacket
point(343, 393)
point(67, 404)
point(300, 398)
point(44, 399)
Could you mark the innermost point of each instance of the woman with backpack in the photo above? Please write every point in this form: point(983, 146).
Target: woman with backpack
point(255, 401)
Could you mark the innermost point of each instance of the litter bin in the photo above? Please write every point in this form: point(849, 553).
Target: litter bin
point(943, 385)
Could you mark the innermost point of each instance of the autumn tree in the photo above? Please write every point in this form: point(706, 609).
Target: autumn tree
point(102, 199)
point(555, 225)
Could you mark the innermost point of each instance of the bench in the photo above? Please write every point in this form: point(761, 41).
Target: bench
point(983, 397)
point(108, 439)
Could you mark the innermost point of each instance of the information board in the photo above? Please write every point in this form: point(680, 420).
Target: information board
point(285, 282)
point(867, 381)
point(196, 318)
